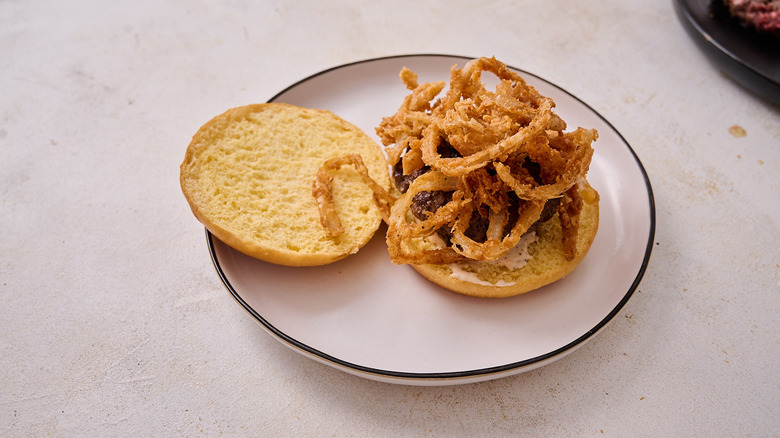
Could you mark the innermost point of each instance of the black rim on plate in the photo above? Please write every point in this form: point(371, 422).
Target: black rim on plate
point(450, 375)
point(746, 56)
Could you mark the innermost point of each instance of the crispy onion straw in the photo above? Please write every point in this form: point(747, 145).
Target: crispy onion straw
point(401, 231)
point(495, 246)
point(569, 214)
point(574, 168)
point(322, 190)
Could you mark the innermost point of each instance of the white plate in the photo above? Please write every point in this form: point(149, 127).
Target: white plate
point(368, 317)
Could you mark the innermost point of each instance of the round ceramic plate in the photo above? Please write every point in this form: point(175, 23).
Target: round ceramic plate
point(369, 317)
point(751, 59)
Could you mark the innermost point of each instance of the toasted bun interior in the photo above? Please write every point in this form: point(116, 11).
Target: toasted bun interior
point(248, 174)
point(546, 265)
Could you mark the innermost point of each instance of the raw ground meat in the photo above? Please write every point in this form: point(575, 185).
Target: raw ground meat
point(762, 15)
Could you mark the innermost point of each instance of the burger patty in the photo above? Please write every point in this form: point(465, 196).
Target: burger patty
point(762, 15)
point(427, 202)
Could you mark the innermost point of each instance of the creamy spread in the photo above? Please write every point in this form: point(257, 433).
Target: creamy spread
point(463, 275)
point(516, 258)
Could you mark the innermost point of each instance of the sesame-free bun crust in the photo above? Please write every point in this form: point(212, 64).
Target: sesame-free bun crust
point(247, 176)
point(546, 265)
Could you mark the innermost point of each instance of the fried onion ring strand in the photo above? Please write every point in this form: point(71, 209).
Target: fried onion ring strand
point(569, 214)
point(322, 190)
point(493, 249)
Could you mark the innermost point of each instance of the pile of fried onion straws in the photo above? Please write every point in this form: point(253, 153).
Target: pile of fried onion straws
point(507, 155)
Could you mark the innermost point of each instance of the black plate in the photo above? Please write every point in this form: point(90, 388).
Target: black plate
point(749, 58)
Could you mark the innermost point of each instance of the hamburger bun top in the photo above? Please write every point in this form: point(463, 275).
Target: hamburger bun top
point(247, 176)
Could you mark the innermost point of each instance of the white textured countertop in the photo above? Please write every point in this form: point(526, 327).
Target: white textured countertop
point(114, 322)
